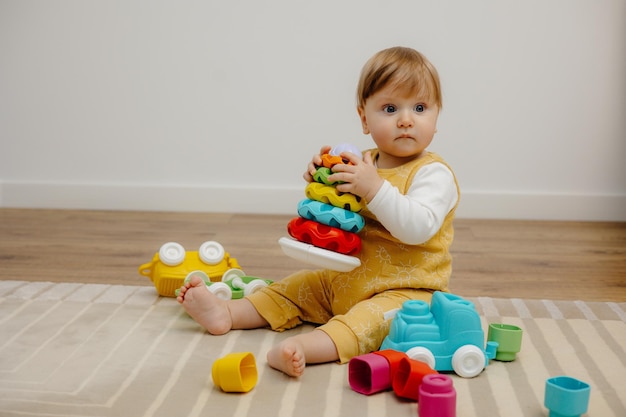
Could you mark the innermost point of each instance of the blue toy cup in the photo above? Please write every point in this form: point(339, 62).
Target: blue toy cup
point(566, 396)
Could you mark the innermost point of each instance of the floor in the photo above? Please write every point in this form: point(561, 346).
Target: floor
point(496, 258)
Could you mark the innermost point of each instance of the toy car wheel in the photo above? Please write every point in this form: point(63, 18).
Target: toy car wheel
point(468, 361)
point(211, 252)
point(232, 274)
point(253, 286)
point(422, 354)
point(221, 290)
point(200, 274)
point(172, 253)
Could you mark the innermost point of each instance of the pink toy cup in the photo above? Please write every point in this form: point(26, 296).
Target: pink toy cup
point(369, 374)
point(437, 397)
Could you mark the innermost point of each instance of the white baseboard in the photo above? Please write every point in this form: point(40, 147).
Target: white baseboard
point(150, 197)
point(583, 207)
point(269, 200)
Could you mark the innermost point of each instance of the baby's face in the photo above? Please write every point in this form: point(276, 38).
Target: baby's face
point(401, 125)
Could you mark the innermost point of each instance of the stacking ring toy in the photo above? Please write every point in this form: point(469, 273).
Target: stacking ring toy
point(331, 215)
point(324, 236)
point(330, 195)
point(330, 161)
point(322, 174)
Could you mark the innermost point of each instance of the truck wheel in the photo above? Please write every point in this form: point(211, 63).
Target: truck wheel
point(211, 252)
point(200, 274)
point(221, 290)
point(422, 354)
point(254, 286)
point(172, 253)
point(232, 273)
point(468, 361)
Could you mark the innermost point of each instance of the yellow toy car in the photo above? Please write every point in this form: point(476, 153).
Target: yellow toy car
point(171, 264)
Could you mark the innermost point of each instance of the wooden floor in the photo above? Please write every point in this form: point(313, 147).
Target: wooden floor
point(522, 259)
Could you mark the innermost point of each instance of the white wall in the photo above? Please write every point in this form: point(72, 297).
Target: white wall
point(214, 106)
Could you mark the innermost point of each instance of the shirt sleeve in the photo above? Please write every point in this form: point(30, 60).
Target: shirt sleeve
point(415, 217)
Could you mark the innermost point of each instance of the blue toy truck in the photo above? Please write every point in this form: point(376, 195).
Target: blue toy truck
point(448, 335)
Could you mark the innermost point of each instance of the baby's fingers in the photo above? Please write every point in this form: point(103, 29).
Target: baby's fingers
point(317, 158)
point(308, 174)
point(367, 158)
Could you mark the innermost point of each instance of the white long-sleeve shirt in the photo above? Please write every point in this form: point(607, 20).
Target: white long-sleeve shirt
point(415, 217)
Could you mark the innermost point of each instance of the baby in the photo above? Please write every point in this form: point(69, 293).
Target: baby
point(411, 196)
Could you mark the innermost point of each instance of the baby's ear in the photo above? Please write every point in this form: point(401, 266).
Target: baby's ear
point(361, 111)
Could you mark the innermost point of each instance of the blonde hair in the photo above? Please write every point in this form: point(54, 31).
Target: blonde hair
point(403, 69)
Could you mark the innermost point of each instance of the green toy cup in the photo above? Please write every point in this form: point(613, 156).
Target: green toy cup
point(235, 372)
point(509, 339)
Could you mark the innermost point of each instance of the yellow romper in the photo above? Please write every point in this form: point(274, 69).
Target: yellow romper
point(351, 305)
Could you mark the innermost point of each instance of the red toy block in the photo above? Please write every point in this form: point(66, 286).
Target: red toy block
point(409, 377)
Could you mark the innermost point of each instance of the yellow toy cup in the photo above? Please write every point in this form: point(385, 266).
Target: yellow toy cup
point(235, 372)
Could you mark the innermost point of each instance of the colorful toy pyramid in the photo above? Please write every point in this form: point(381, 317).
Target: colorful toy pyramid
point(326, 231)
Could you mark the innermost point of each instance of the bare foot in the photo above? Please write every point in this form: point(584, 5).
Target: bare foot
point(288, 357)
point(203, 306)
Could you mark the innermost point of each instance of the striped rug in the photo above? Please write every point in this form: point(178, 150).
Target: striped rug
point(101, 350)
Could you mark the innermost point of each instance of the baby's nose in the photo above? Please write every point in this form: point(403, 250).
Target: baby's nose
point(405, 120)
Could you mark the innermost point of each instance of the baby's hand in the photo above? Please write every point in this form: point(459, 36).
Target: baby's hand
point(316, 161)
point(359, 178)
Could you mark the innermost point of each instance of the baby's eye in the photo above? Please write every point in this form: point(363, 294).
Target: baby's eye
point(389, 108)
point(419, 108)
